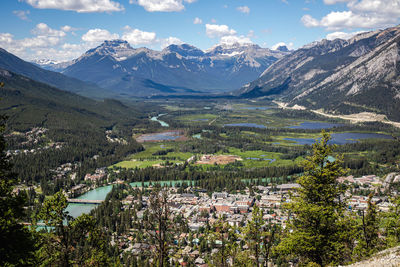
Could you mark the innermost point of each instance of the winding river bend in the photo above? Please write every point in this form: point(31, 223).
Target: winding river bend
point(163, 123)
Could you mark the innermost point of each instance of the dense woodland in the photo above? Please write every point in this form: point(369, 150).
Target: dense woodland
point(92, 240)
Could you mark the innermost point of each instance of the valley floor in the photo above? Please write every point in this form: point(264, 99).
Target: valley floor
point(353, 118)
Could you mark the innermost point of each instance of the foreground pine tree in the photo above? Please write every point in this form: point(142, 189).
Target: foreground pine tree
point(315, 229)
point(16, 241)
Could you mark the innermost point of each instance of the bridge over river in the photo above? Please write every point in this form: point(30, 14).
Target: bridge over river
point(84, 201)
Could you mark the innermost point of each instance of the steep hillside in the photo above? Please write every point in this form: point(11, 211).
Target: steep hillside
point(29, 103)
point(177, 69)
point(346, 76)
point(387, 258)
point(14, 64)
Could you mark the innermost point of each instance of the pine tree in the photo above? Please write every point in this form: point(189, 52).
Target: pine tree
point(314, 231)
point(16, 241)
point(392, 223)
point(253, 233)
point(371, 225)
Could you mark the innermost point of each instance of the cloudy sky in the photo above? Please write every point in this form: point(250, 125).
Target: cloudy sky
point(64, 29)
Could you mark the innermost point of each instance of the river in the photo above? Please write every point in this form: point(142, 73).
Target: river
point(163, 123)
point(100, 193)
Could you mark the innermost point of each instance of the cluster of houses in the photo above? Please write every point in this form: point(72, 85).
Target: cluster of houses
point(99, 174)
point(200, 209)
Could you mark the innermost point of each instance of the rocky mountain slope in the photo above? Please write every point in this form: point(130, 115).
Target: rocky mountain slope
point(14, 64)
point(345, 76)
point(177, 69)
point(387, 258)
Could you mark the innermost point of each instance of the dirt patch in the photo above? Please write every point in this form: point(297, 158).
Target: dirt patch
point(175, 135)
point(218, 159)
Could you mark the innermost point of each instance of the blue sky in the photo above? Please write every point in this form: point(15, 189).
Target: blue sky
point(64, 29)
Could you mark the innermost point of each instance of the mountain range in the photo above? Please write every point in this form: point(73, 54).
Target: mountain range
point(177, 69)
point(339, 76)
point(345, 76)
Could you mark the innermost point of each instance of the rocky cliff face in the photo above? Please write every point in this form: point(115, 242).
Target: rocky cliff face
point(358, 74)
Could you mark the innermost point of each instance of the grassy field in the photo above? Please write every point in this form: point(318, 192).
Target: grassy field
point(185, 115)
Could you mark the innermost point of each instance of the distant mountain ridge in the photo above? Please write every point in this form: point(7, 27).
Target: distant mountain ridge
point(184, 69)
point(14, 64)
point(345, 76)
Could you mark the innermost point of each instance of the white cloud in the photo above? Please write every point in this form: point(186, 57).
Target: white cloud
point(6, 39)
point(197, 20)
point(98, 35)
point(81, 6)
point(138, 37)
point(214, 30)
point(332, 2)
point(169, 41)
point(309, 21)
point(42, 29)
point(251, 34)
point(67, 28)
point(44, 44)
point(232, 39)
point(276, 46)
point(22, 14)
point(341, 35)
point(243, 9)
point(163, 5)
point(365, 14)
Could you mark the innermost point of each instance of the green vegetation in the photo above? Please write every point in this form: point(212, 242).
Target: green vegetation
point(317, 227)
point(18, 243)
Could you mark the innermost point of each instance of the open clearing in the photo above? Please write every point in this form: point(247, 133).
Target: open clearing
point(218, 159)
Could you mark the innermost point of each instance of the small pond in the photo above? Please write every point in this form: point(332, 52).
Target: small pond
point(200, 120)
point(197, 136)
point(164, 136)
point(255, 108)
point(254, 125)
point(270, 160)
point(309, 125)
point(342, 138)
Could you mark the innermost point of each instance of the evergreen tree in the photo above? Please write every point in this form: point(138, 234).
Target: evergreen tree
point(253, 233)
point(314, 231)
point(392, 223)
point(159, 226)
point(16, 241)
point(371, 225)
point(223, 236)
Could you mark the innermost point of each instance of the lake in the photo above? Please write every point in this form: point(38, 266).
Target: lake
point(253, 125)
point(309, 125)
point(342, 138)
point(164, 136)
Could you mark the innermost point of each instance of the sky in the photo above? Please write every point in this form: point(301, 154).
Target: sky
point(62, 30)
